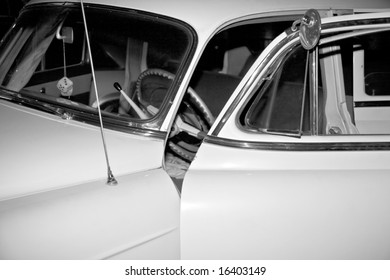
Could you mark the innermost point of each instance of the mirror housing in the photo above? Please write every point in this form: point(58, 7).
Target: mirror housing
point(65, 33)
point(310, 29)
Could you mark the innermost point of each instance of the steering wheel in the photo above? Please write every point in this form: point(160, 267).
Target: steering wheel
point(194, 118)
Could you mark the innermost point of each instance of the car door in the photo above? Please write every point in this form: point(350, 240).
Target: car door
point(287, 172)
point(58, 197)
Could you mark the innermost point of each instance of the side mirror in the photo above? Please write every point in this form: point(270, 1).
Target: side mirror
point(310, 29)
point(65, 33)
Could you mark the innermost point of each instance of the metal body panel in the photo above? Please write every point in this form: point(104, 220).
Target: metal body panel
point(287, 205)
point(55, 203)
point(42, 152)
point(138, 218)
point(371, 120)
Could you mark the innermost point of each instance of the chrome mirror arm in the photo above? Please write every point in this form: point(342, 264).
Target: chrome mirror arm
point(310, 29)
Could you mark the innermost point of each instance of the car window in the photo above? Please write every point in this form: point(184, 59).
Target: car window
point(227, 58)
point(365, 63)
point(278, 105)
point(46, 58)
point(351, 97)
point(376, 63)
point(72, 54)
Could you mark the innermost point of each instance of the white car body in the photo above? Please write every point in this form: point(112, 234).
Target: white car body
point(246, 195)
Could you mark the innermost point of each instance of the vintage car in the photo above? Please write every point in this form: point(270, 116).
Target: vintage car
point(214, 129)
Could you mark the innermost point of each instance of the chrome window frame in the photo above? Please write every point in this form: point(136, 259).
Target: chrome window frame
point(360, 27)
point(149, 127)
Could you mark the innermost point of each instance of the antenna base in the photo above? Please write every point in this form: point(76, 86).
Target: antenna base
point(111, 181)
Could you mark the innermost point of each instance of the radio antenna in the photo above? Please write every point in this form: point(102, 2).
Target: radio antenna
point(110, 177)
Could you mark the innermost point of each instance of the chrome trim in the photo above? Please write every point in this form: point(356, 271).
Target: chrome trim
point(66, 112)
point(256, 79)
point(314, 92)
point(130, 128)
point(352, 33)
point(148, 127)
point(377, 25)
point(372, 103)
point(299, 147)
point(304, 94)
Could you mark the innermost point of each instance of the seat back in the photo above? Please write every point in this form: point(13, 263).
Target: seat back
point(214, 88)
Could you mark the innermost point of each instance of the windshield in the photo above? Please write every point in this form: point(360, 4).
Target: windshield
point(46, 58)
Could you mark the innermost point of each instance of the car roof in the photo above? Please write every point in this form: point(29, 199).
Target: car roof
point(209, 14)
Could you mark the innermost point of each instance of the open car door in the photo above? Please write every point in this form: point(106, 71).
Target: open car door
point(297, 166)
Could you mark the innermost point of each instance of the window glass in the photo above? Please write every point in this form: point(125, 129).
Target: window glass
point(37, 60)
point(278, 105)
point(365, 61)
point(352, 92)
point(376, 63)
point(60, 55)
point(227, 58)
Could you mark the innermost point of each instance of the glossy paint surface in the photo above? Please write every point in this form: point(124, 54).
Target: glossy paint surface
point(287, 205)
point(137, 219)
point(55, 203)
point(42, 152)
